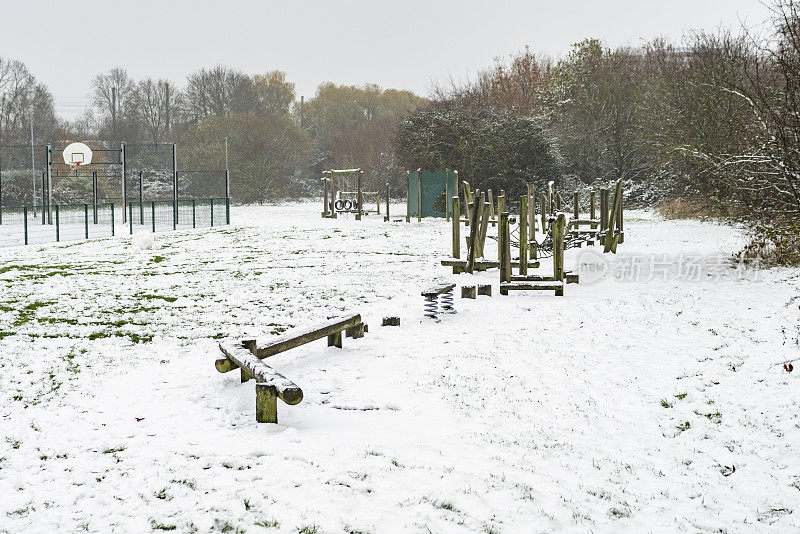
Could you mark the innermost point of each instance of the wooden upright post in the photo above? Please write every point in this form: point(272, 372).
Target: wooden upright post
point(491, 205)
point(523, 235)
point(591, 206)
point(467, 201)
point(603, 209)
point(575, 208)
point(501, 203)
point(558, 252)
point(619, 214)
point(502, 237)
point(456, 227)
point(551, 193)
point(484, 225)
point(544, 214)
point(266, 403)
point(473, 236)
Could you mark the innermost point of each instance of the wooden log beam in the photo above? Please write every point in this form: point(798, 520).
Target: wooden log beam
point(612, 218)
point(285, 389)
point(265, 348)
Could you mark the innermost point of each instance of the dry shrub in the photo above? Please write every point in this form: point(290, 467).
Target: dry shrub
point(689, 208)
point(776, 243)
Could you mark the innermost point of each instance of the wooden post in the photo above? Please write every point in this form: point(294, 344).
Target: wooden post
point(456, 227)
point(473, 236)
point(558, 252)
point(544, 214)
point(619, 214)
point(491, 205)
point(501, 202)
point(468, 292)
point(266, 403)
point(408, 197)
point(484, 225)
point(551, 192)
point(612, 218)
point(419, 195)
point(335, 339)
point(387, 203)
point(532, 222)
point(575, 208)
point(467, 201)
point(591, 206)
point(359, 174)
point(505, 258)
point(501, 244)
point(523, 235)
point(603, 209)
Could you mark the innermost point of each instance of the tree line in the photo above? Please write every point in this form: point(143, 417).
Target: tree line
point(278, 146)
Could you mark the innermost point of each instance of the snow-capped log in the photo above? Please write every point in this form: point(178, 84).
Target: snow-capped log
point(331, 328)
point(264, 375)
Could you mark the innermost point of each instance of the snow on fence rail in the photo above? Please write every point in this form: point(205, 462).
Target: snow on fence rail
point(31, 225)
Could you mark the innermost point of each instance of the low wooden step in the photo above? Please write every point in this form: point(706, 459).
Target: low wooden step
point(558, 287)
point(532, 278)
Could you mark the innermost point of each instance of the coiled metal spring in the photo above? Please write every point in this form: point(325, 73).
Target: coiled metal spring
point(431, 306)
point(447, 302)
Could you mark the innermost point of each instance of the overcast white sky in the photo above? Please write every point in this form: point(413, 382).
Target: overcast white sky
point(400, 44)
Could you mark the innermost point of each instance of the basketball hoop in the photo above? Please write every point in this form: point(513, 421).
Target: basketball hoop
point(77, 154)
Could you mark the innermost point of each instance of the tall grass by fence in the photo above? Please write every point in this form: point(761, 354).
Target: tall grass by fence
point(30, 225)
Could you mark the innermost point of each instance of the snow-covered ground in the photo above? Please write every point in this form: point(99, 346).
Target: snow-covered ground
point(645, 399)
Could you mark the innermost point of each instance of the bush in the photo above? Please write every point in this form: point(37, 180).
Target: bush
point(490, 148)
point(773, 244)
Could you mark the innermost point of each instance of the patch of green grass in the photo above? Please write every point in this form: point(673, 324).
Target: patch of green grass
point(28, 312)
point(155, 297)
point(619, 513)
point(114, 449)
point(681, 396)
point(445, 505)
point(161, 526)
point(162, 495)
point(191, 484)
point(665, 403)
point(308, 529)
point(686, 425)
point(268, 523)
point(157, 259)
point(715, 417)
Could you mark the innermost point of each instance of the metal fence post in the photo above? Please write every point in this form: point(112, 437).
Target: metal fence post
point(94, 195)
point(153, 208)
point(86, 220)
point(113, 225)
point(227, 210)
point(141, 198)
point(194, 216)
point(58, 226)
point(174, 214)
point(25, 216)
point(130, 215)
point(212, 212)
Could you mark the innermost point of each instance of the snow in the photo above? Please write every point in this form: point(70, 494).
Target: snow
point(524, 413)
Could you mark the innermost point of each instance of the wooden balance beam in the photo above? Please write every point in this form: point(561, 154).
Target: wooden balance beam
point(270, 384)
